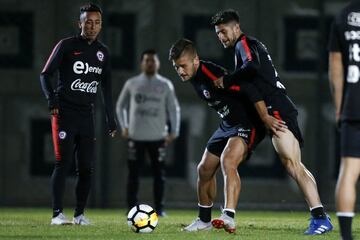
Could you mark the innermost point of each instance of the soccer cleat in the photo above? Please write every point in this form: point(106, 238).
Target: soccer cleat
point(198, 225)
point(60, 220)
point(161, 213)
point(81, 220)
point(319, 226)
point(225, 222)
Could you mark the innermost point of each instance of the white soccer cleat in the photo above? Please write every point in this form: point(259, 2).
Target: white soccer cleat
point(60, 220)
point(198, 225)
point(81, 220)
point(225, 222)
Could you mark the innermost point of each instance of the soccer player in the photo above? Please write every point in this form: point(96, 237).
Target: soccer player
point(82, 63)
point(253, 63)
point(238, 134)
point(344, 73)
point(145, 105)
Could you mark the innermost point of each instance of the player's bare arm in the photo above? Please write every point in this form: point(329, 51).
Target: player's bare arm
point(336, 78)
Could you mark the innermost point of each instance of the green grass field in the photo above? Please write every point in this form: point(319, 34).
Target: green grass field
point(33, 223)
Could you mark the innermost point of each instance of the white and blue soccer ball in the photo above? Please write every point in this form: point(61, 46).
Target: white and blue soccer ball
point(142, 219)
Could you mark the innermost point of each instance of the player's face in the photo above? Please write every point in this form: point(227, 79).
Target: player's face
point(150, 64)
point(228, 33)
point(186, 66)
point(90, 25)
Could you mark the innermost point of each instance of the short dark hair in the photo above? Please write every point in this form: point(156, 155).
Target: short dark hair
point(225, 16)
point(181, 46)
point(148, 51)
point(90, 7)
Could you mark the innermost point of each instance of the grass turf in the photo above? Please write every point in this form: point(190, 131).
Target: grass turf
point(34, 223)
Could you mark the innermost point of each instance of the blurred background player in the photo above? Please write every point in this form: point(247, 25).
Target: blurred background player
point(144, 107)
point(253, 63)
point(83, 63)
point(238, 134)
point(344, 73)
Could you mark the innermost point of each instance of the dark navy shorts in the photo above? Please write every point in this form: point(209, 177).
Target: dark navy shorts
point(251, 135)
point(350, 139)
point(282, 108)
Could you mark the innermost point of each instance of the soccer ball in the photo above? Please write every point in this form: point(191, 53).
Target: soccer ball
point(142, 219)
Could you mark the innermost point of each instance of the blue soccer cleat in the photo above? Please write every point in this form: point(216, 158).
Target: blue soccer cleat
point(319, 226)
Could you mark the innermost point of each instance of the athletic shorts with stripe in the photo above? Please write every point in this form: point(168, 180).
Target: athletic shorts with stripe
point(251, 135)
point(281, 107)
point(350, 139)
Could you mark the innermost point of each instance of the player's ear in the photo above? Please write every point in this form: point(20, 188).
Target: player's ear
point(237, 27)
point(157, 62)
point(196, 60)
point(79, 24)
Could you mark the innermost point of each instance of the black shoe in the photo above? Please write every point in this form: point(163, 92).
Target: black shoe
point(161, 213)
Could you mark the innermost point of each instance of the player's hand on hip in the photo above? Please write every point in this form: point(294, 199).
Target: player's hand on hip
point(112, 133)
point(274, 124)
point(125, 133)
point(169, 138)
point(54, 111)
point(219, 83)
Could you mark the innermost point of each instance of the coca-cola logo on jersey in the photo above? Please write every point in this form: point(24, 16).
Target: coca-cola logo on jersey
point(90, 87)
point(83, 68)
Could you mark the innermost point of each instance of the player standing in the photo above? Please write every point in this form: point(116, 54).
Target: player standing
point(253, 63)
point(344, 73)
point(82, 63)
point(145, 105)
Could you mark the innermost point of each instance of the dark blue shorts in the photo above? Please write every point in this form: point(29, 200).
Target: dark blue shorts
point(251, 135)
point(350, 139)
point(282, 108)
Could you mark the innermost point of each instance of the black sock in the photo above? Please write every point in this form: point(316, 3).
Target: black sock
point(345, 227)
point(230, 214)
point(78, 212)
point(205, 213)
point(56, 212)
point(318, 212)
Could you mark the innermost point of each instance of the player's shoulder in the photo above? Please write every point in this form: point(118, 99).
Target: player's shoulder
point(67, 41)
point(246, 41)
point(134, 79)
point(212, 65)
point(253, 42)
point(247, 38)
point(102, 46)
point(349, 13)
point(353, 6)
point(165, 81)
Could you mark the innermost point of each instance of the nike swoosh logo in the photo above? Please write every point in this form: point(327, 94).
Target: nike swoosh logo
point(77, 53)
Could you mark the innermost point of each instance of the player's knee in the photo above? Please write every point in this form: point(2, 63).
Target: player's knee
point(204, 171)
point(231, 160)
point(229, 165)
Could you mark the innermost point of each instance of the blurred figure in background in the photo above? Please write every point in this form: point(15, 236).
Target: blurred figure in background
point(82, 63)
point(145, 105)
point(344, 73)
